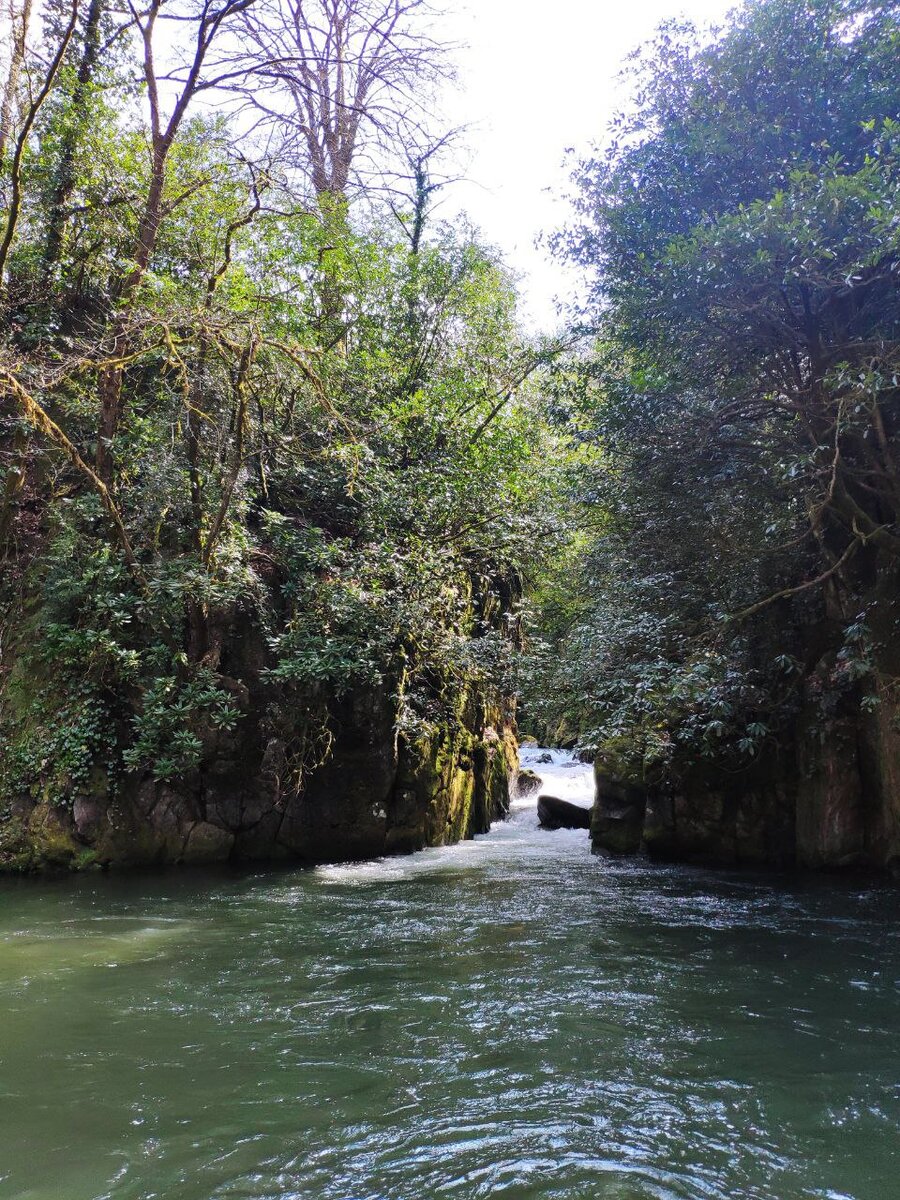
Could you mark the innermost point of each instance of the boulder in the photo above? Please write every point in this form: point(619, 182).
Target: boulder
point(527, 782)
point(554, 813)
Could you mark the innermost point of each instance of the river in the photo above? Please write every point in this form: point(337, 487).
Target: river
point(508, 1017)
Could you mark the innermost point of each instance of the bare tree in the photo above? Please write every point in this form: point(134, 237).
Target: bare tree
point(344, 80)
point(413, 187)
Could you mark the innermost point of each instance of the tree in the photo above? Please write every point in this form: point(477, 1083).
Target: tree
point(204, 23)
point(46, 72)
point(281, 510)
point(741, 230)
point(341, 81)
point(19, 20)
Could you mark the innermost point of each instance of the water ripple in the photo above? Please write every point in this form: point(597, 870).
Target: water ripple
point(510, 1017)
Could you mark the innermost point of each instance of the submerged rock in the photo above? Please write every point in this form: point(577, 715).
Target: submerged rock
point(554, 813)
point(527, 782)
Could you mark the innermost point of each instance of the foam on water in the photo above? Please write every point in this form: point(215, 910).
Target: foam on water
point(563, 776)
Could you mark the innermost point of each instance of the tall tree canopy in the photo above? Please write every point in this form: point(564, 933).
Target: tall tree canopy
point(232, 415)
point(743, 237)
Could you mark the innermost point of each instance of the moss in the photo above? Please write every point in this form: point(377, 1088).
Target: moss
point(86, 860)
point(129, 839)
point(53, 844)
point(443, 773)
point(460, 791)
point(618, 838)
point(41, 843)
point(15, 849)
point(528, 782)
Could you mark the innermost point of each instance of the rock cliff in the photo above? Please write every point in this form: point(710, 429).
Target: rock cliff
point(306, 773)
point(373, 792)
point(829, 798)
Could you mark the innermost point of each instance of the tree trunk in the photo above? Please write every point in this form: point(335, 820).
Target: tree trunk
point(111, 377)
point(65, 173)
point(15, 481)
point(19, 30)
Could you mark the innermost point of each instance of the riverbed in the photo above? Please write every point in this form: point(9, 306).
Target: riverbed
point(509, 1017)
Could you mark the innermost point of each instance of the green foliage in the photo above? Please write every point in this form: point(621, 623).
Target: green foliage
point(53, 744)
point(328, 471)
point(741, 230)
point(93, 653)
point(165, 737)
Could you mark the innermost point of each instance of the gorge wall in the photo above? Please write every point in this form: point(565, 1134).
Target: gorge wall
point(374, 793)
point(828, 798)
point(304, 773)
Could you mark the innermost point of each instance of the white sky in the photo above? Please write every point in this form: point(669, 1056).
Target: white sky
point(535, 77)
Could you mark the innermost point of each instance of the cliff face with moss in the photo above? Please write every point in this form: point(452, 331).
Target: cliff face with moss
point(825, 795)
point(375, 794)
point(271, 466)
point(329, 686)
point(291, 777)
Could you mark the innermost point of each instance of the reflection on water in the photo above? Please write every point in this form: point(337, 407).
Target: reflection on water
point(52, 948)
point(509, 1017)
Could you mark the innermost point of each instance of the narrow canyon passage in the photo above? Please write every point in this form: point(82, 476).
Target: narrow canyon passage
point(506, 1017)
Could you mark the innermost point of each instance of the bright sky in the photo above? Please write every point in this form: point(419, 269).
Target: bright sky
point(536, 78)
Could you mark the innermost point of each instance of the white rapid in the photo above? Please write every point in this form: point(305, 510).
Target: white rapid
point(563, 775)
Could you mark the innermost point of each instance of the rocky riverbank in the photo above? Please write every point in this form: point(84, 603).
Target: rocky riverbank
point(829, 800)
point(375, 793)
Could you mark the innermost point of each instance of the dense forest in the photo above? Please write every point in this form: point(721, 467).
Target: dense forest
point(293, 513)
point(270, 469)
point(733, 646)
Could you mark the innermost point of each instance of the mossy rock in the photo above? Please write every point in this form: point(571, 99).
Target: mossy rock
point(16, 851)
point(41, 843)
point(527, 782)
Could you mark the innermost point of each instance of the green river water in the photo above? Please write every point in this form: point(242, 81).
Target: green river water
point(510, 1017)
